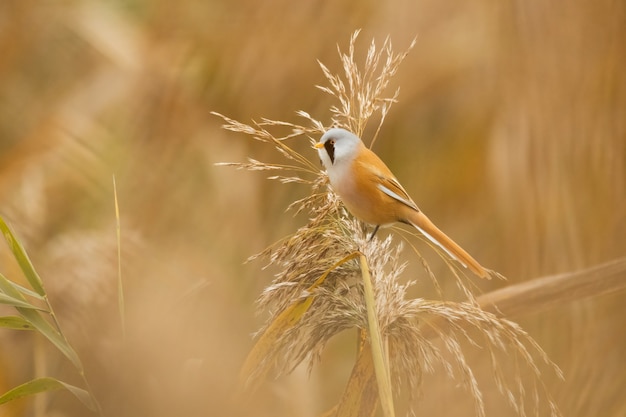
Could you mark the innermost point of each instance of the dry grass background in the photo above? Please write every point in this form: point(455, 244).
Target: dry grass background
point(510, 133)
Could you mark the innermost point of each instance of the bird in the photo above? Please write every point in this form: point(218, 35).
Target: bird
point(370, 191)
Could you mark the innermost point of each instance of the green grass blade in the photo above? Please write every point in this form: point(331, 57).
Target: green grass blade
point(16, 302)
point(15, 323)
point(46, 329)
point(26, 291)
point(22, 258)
point(39, 385)
point(27, 311)
point(12, 295)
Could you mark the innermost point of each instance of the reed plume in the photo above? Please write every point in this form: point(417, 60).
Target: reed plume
point(319, 289)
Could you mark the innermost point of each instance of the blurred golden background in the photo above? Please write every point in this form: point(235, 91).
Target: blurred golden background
point(510, 133)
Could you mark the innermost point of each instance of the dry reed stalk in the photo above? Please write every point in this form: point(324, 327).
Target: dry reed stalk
point(553, 290)
point(319, 291)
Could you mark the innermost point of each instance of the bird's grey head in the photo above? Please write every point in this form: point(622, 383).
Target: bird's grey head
point(337, 145)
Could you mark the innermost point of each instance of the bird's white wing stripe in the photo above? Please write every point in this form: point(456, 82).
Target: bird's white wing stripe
point(396, 196)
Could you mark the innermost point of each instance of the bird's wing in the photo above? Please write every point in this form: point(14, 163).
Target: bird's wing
point(393, 189)
point(384, 179)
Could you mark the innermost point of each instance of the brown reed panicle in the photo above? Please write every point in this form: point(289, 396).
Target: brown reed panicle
point(319, 291)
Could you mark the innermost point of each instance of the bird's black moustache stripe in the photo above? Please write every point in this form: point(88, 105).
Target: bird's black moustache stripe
point(329, 145)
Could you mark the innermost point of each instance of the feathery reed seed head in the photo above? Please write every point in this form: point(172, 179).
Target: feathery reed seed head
point(318, 290)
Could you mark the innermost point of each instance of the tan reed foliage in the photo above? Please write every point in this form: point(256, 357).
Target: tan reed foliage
point(318, 291)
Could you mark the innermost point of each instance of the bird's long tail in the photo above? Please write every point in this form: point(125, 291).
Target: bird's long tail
point(432, 232)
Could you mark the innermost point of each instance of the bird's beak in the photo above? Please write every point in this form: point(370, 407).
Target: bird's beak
point(318, 145)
